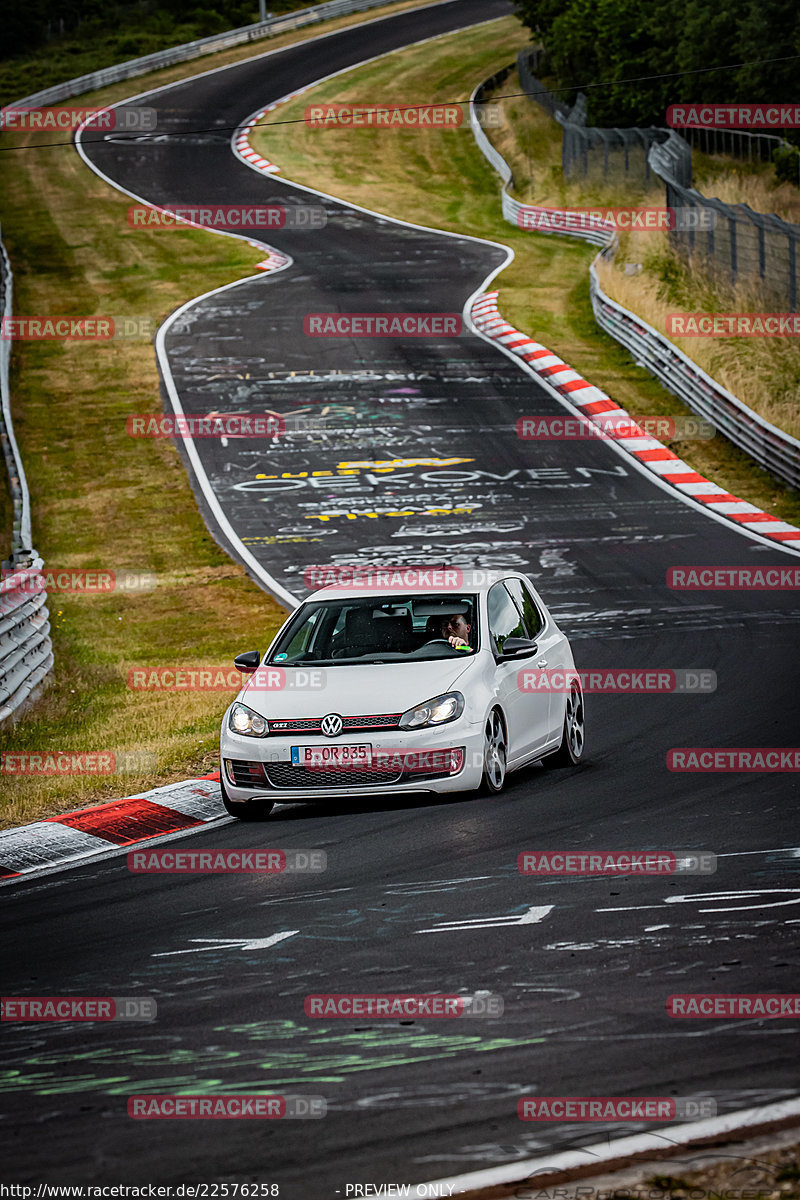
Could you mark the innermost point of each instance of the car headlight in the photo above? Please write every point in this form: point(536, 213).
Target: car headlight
point(434, 712)
point(244, 720)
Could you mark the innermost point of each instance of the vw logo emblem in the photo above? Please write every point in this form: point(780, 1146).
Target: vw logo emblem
point(332, 725)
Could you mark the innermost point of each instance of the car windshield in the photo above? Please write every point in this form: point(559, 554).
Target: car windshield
point(379, 630)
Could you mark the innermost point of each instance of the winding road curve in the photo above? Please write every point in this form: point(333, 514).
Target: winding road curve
point(584, 985)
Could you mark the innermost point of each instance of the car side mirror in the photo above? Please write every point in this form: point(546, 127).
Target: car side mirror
point(247, 662)
point(516, 647)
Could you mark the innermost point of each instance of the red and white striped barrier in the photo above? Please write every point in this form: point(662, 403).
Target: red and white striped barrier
point(595, 404)
point(69, 839)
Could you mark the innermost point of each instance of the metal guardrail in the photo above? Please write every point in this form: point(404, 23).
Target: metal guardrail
point(739, 244)
point(773, 449)
point(190, 50)
point(26, 651)
point(535, 218)
point(513, 211)
point(476, 125)
point(586, 148)
point(736, 143)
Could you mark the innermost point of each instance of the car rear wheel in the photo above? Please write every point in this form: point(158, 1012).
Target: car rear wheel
point(245, 810)
point(573, 737)
point(495, 755)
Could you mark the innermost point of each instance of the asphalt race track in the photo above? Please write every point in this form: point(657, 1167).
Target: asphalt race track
point(584, 965)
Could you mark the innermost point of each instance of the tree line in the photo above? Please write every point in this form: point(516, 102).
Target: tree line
point(605, 47)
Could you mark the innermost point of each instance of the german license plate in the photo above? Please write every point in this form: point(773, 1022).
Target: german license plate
point(333, 756)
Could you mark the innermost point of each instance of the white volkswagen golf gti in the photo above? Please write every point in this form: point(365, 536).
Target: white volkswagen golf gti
point(375, 687)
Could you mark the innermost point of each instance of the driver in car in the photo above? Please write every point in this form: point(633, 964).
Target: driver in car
point(456, 630)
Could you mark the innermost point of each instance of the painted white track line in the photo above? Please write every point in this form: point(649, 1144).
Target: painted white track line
point(590, 1160)
point(276, 261)
point(477, 314)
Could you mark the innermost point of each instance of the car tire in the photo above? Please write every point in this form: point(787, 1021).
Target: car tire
point(245, 810)
point(573, 735)
point(495, 755)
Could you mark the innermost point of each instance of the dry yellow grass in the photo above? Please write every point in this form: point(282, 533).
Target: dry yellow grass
point(102, 499)
point(441, 179)
point(754, 184)
point(763, 373)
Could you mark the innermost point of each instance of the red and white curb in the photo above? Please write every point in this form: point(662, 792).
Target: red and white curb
point(617, 423)
point(275, 260)
point(589, 1161)
point(64, 840)
point(241, 139)
point(242, 144)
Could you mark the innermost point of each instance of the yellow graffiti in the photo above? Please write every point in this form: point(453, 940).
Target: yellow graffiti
point(391, 464)
point(391, 512)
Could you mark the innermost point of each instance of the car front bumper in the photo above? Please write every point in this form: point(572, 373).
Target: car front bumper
point(449, 759)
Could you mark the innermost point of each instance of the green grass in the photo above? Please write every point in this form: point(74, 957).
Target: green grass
point(102, 499)
point(440, 178)
point(117, 33)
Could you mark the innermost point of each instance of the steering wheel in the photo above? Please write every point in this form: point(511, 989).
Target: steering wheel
point(438, 641)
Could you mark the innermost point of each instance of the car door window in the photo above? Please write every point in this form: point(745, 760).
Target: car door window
point(526, 605)
point(504, 617)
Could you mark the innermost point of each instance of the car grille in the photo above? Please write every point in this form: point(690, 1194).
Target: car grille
point(279, 728)
point(286, 775)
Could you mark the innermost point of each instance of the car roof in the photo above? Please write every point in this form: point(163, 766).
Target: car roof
point(401, 581)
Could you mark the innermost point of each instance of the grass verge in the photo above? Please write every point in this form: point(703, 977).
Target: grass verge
point(97, 45)
point(103, 500)
point(439, 178)
point(648, 276)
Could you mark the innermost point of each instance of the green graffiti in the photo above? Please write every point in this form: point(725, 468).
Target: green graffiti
point(322, 1054)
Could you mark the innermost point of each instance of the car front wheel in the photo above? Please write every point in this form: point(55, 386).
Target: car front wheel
point(245, 810)
point(495, 755)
